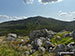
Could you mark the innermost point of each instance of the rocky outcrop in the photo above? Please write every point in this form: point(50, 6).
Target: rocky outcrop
point(41, 40)
point(41, 33)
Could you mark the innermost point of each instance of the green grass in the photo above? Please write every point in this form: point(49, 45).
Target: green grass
point(61, 40)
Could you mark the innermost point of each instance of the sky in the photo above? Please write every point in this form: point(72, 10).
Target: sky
point(21, 9)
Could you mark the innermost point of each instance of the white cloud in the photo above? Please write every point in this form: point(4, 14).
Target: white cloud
point(63, 14)
point(73, 14)
point(18, 17)
point(28, 1)
point(12, 17)
point(42, 1)
point(4, 16)
point(67, 14)
point(48, 1)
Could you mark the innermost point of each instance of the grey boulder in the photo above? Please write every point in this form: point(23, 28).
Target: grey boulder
point(47, 44)
point(59, 48)
point(36, 43)
point(11, 37)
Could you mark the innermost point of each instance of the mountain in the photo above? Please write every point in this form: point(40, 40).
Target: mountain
point(24, 26)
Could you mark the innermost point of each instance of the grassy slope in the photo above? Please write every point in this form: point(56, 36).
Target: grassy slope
point(12, 49)
point(61, 40)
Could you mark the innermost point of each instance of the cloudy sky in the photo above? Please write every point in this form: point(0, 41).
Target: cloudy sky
point(20, 9)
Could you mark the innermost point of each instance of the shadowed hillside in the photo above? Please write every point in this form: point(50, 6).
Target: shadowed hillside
point(23, 27)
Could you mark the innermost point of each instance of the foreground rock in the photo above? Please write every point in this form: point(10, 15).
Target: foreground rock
point(27, 53)
point(47, 44)
point(59, 48)
point(36, 43)
point(71, 34)
point(41, 49)
point(40, 40)
point(11, 37)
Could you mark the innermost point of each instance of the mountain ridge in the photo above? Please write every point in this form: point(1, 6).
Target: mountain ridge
point(24, 26)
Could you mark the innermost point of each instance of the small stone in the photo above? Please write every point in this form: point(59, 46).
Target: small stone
point(42, 49)
point(58, 37)
point(27, 53)
point(29, 45)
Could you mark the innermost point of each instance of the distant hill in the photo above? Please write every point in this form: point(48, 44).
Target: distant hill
point(24, 26)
